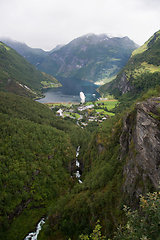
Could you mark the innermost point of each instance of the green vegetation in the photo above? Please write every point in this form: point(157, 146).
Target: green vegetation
point(18, 76)
point(95, 235)
point(33, 160)
point(142, 223)
point(104, 113)
point(102, 177)
point(109, 104)
point(36, 150)
point(142, 73)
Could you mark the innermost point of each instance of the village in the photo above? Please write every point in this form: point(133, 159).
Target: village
point(86, 113)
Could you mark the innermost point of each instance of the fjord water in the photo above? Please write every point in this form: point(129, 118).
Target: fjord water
point(69, 92)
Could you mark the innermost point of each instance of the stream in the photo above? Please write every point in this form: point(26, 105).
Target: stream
point(33, 236)
point(78, 165)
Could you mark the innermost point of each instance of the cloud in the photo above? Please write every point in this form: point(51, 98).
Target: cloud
point(47, 23)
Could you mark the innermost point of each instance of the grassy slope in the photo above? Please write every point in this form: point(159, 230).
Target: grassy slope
point(15, 70)
point(142, 70)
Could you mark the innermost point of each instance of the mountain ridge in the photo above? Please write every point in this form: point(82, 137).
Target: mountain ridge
point(33, 55)
point(90, 57)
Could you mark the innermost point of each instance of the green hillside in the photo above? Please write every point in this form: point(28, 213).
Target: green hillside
point(119, 158)
point(35, 152)
point(102, 194)
point(18, 76)
point(140, 73)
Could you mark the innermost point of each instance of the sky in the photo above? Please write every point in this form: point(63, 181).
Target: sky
point(47, 23)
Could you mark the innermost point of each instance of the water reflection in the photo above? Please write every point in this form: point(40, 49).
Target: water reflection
point(70, 90)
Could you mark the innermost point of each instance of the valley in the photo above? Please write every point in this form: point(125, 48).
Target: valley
point(112, 140)
point(89, 113)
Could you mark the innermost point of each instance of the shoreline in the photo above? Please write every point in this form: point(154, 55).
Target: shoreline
point(62, 103)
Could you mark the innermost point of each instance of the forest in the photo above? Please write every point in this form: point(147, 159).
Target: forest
point(36, 150)
point(38, 160)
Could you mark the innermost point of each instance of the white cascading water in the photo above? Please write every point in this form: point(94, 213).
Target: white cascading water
point(33, 236)
point(78, 164)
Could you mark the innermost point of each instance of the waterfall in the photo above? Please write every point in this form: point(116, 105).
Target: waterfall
point(78, 165)
point(33, 236)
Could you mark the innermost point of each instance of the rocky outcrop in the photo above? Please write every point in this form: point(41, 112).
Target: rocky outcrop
point(140, 141)
point(124, 85)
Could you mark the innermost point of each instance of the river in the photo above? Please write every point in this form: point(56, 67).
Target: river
point(69, 92)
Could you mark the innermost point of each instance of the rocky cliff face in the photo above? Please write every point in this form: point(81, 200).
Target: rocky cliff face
point(140, 140)
point(124, 85)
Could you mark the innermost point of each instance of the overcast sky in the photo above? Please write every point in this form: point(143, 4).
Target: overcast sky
point(47, 23)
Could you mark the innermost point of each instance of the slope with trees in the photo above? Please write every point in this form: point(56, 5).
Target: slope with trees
point(118, 160)
point(18, 76)
point(36, 150)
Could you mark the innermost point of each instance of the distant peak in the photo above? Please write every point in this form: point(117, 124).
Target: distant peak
point(10, 40)
point(89, 34)
point(7, 39)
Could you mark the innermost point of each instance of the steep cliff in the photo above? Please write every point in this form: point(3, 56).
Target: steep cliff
point(140, 140)
point(124, 85)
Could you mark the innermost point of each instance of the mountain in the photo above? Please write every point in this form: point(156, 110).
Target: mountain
point(33, 55)
point(141, 72)
point(90, 57)
point(17, 75)
point(118, 161)
point(57, 48)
